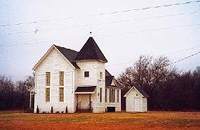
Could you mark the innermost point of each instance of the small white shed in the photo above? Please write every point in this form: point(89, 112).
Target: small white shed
point(136, 100)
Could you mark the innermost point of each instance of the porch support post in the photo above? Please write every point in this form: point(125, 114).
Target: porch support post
point(90, 102)
point(77, 103)
point(30, 101)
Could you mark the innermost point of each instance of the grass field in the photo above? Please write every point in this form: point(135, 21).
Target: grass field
point(106, 121)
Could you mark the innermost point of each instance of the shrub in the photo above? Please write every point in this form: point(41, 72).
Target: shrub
point(51, 109)
point(37, 110)
point(66, 110)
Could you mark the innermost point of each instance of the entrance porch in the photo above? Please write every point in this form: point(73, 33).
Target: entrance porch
point(84, 98)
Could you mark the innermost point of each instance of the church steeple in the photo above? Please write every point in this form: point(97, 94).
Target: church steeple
point(91, 51)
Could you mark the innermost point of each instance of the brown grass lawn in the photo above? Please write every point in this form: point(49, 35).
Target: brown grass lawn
point(106, 121)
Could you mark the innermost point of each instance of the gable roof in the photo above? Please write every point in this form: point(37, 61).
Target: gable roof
point(69, 54)
point(142, 91)
point(107, 73)
point(139, 89)
point(109, 78)
point(91, 51)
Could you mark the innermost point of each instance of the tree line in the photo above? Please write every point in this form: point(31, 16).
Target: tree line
point(15, 95)
point(168, 88)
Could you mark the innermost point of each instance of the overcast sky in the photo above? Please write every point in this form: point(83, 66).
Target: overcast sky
point(29, 27)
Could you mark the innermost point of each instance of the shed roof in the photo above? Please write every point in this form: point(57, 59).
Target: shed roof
point(139, 89)
point(85, 89)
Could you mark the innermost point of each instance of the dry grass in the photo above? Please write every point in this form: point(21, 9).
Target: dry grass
point(106, 121)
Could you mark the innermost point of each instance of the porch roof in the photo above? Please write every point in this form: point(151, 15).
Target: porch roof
point(85, 89)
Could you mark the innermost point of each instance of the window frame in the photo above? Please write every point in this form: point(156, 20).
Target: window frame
point(86, 74)
point(101, 75)
point(112, 95)
point(101, 96)
point(106, 95)
point(47, 94)
point(48, 78)
point(61, 94)
point(61, 78)
point(118, 95)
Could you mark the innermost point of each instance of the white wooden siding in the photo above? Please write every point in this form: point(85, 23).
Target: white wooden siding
point(135, 102)
point(54, 63)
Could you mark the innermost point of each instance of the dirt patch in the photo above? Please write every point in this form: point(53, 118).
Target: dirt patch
point(106, 121)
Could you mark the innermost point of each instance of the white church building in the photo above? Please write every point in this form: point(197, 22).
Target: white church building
point(68, 81)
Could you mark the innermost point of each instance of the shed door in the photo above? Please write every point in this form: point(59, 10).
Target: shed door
point(137, 104)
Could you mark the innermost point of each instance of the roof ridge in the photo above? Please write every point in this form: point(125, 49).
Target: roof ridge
point(69, 54)
point(64, 47)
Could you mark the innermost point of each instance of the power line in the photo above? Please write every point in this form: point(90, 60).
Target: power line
point(153, 7)
point(187, 57)
point(32, 22)
point(27, 43)
point(128, 62)
point(156, 17)
point(182, 50)
point(111, 13)
point(112, 22)
point(180, 60)
point(121, 34)
point(155, 29)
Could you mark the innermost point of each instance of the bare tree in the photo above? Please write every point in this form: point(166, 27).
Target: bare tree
point(15, 96)
point(6, 92)
point(29, 82)
point(147, 72)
